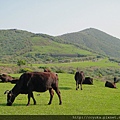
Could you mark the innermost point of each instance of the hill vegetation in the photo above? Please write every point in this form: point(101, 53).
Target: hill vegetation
point(41, 48)
point(95, 40)
point(36, 48)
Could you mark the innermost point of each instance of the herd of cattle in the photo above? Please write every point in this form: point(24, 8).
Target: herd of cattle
point(41, 82)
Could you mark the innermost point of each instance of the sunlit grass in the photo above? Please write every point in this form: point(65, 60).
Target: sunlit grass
point(92, 100)
point(103, 63)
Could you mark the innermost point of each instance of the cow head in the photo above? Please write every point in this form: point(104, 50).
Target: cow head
point(10, 97)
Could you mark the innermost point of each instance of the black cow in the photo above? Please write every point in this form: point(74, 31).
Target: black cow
point(79, 78)
point(35, 81)
point(8, 78)
point(110, 84)
point(88, 80)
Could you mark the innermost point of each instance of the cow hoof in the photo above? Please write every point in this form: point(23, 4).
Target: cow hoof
point(28, 105)
point(34, 102)
point(60, 103)
point(49, 103)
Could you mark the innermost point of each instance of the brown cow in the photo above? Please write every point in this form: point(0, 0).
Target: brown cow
point(79, 77)
point(8, 78)
point(35, 81)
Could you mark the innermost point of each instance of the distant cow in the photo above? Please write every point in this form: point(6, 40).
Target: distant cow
point(110, 84)
point(79, 77)
point(116, 80)
point(34, 81)
point(8, 78)
point(88, 80)
point(47, 70)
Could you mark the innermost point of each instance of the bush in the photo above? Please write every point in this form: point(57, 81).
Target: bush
point(60, 71)
point(23, 70)
point(42, 67)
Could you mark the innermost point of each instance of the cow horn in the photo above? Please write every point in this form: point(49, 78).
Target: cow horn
point(6, 92)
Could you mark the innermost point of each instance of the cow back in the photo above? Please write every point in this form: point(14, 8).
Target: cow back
point(35, 81)
point(42, 81)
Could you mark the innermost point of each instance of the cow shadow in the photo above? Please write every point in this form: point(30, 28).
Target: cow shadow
point(23, 105)
point(2, 104)
point(65, 88)
point(14, 104)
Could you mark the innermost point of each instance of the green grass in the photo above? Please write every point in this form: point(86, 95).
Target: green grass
point(103, 63)
point(92, 100)
point(49, 46)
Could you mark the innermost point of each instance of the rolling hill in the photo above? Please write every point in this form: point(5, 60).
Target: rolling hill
point(36, 48)
point(95, 40)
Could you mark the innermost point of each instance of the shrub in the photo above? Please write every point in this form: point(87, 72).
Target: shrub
point(60, 71)
point(23, 70)
point(42, 67)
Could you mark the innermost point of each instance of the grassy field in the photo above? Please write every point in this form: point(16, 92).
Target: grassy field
point(92, 100)
point(100, 63)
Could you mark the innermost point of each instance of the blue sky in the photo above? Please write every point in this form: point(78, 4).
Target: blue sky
point(57, 17)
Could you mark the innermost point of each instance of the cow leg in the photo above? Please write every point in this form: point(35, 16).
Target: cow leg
point(29, 95)
point(33, 99)
point(77, 86)
point(51, 95)
point(81, 85)
point(59, 96)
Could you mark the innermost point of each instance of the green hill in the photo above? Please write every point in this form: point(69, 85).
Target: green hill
point(35, 48)
point(94, 40)
point(38, 48)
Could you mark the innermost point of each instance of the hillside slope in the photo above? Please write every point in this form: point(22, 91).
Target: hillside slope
point(95, 40)
point(36, 48)
point(18, 44)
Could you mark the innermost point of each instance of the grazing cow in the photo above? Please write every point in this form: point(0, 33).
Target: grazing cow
point(79, 77)
point(35, 81)
point(110, 84)
point(88, 80)
point(8, 78)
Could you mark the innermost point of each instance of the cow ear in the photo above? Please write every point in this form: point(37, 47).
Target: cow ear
point(6, 92)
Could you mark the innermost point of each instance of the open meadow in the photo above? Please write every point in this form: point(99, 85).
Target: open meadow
point(92, 100)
